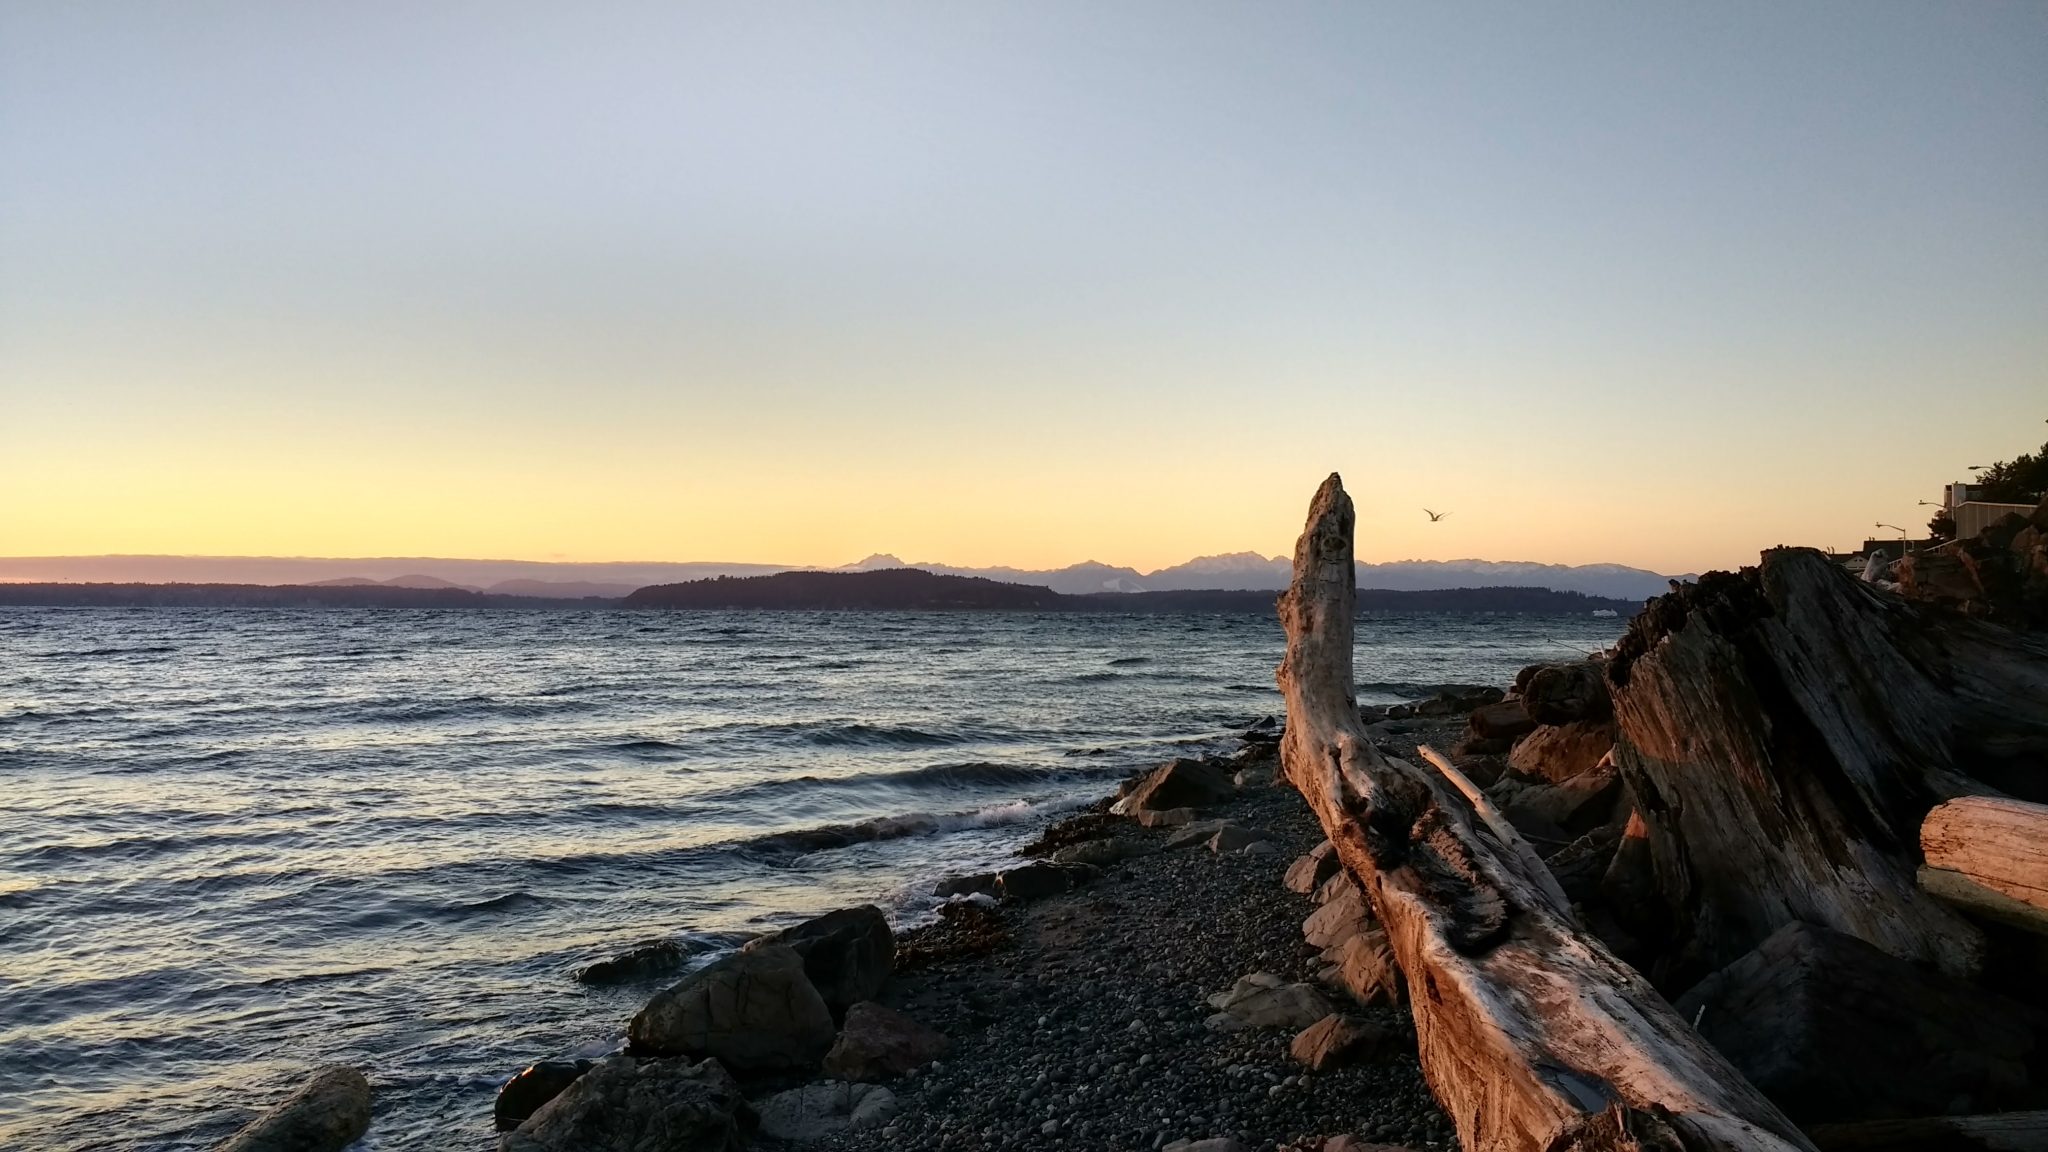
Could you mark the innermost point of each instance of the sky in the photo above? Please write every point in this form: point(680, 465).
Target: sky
point(1012, 283)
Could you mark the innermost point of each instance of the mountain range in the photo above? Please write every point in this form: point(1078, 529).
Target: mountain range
point(1248, 571)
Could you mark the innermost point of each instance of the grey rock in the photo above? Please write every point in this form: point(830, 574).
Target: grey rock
point(1336, 887)
point(1263, 1000)
point(1100, 853)
point(329, 1112)
point(816, 1111)
point(1232, 838)
point(1032, 881)
point(848, 954)
point(640, 962)
point(877, 1043)
point(1338, 921)
point(628, 1105)
point(1363, 968)
point(754, 1010)
point(1198, 832)
point(1503, 721)
point(1337, 1038)
point(1181, 783)
point(1559, 752)
point(1563, 693)
point(1309, 872)
point(535, 1085)
point(979, 884)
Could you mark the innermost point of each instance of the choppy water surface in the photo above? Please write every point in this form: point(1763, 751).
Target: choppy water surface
point(237, 844)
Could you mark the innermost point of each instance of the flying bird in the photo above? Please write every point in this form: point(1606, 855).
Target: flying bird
point(1436, 516)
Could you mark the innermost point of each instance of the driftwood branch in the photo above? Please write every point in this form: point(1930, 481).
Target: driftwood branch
point(1532, 1035)
point(1503, 830)
point(1989, 855)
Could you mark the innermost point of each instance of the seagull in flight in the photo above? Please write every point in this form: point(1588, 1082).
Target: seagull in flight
point(1436, 516)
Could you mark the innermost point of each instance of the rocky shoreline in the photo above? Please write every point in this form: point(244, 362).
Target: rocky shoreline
point(1165, 969)
point(1174, 967)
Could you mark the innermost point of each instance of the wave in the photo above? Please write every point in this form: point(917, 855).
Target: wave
point(92, 653)
point(646, 747)
point(1127, 661)
point(873, 734)
point(514, 901)
point(804, 841)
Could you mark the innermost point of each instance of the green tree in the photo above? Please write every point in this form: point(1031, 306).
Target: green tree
point(1941, 526)
point(2020, 480)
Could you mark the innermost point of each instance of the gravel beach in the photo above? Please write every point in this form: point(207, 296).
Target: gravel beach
point(1083, 1027)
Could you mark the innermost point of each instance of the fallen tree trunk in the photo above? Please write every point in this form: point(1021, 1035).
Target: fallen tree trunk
point(1532, 1035)
point(1989, 855)
point(1784, 729)
point(2004, 1132)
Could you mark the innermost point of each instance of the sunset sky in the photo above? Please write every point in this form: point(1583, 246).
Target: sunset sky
point(1018, 283)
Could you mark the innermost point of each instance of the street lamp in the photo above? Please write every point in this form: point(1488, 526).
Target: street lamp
point(1900, 531)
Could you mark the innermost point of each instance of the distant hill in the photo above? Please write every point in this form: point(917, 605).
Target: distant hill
point(562, 589)
point(886, 589)
point(1235, 570)
point(1074, 579)
point(899, 589)
point(912, 589)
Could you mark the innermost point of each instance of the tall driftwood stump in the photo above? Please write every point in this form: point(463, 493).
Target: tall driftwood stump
point(1785, 729)
point(1532, 1035)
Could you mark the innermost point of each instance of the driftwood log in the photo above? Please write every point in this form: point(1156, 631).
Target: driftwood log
point(1784, 730)
point(1989, 855)
point(1533, 1036)
point(2004, 1132)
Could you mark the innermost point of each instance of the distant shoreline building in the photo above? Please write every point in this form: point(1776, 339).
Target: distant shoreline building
point(1973, 516)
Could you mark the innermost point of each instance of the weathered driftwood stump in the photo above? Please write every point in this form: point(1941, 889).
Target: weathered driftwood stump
point(1532, 1035)
point(1783, 731)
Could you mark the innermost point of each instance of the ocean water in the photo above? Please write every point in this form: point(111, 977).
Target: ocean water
point(237, 844)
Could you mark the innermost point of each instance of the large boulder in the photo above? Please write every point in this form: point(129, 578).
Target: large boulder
point(1503, 721)
point(1556, 814)
point(1035, 881)
point(1263, 1000)
point(878, 1043)
point(328, 1113)
point(1555, 753)
point(1181, 783)
point(1834, 1030)
point(847, 954)
point(627, 1105)
point(816, 1111)
point(1563, 693)
point(535, 1085)
point(755, 1011)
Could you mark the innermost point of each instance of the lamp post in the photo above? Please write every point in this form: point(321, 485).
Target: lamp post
point(1902, 536)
